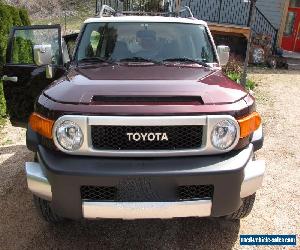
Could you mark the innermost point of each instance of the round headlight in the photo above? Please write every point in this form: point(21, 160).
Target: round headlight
point(223, 134)
point(69, 135)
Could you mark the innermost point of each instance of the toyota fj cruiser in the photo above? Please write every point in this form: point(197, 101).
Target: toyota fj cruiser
point(139, 123)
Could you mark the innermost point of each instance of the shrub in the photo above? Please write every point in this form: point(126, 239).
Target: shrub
point(250, 84)
point(15, 15)
point(9, 16)
point(2, 102)
point(234, 71)
point(234, 65)
point(22, 52)
point(24, 17)
point(234, 76)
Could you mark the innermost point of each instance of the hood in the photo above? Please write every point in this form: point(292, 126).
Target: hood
point(83, 84)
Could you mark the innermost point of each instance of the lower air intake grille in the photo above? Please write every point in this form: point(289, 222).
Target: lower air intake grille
point(181, 193)
point(146, 137)
point(195, 192)
point(98, 193)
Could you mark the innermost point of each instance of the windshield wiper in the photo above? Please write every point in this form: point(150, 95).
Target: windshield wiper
point(94, 59)
point(188, 60)
point(138, 59)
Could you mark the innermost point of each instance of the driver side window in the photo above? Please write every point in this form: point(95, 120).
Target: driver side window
point(24, 41)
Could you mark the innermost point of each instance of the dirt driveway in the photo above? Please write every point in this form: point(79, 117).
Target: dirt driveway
point(277, 210)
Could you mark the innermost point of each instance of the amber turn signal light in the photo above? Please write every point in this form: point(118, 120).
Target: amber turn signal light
point(41, 125)
point(249, 124)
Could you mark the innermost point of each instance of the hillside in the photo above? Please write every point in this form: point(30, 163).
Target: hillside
point(73, 12)
point(40, 9)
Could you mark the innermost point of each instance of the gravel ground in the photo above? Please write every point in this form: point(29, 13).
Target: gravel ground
point(276, 211)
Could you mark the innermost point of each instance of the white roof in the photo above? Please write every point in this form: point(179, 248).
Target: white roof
point(147, 19)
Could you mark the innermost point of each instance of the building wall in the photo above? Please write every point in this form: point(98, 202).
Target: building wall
point(273, 10)
point(231, 10)
point(234, 12)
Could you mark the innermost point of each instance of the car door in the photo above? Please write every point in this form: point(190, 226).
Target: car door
point(70, 41)
point(24, 78)
point(291, 34)
point(297, 31)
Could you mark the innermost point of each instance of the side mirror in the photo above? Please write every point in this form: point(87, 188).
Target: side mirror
point(223, 52)
point(42, 54)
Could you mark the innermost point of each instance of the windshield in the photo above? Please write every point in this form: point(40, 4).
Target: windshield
point(150, 41)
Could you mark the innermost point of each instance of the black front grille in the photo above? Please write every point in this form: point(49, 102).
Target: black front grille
point(125, 194)
point(98, 193)
point(195, 192)
point(117, 138)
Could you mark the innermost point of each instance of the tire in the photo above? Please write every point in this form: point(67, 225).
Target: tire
point(244, 210)
point(45, 211)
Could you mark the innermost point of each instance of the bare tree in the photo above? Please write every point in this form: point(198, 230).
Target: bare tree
point(147, 5)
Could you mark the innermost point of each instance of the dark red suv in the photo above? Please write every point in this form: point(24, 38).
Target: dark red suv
point(138, 122)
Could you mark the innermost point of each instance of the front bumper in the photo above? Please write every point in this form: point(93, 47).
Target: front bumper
point(58, 178)
point(146, 210)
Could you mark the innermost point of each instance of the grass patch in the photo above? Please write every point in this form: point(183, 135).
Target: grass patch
point(2, 102)
point(2, 122)
point(234, 70)
point(234, 76)
point(7, 142)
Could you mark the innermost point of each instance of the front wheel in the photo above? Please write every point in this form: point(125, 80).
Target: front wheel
point(45, 211)
point(244, 210)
